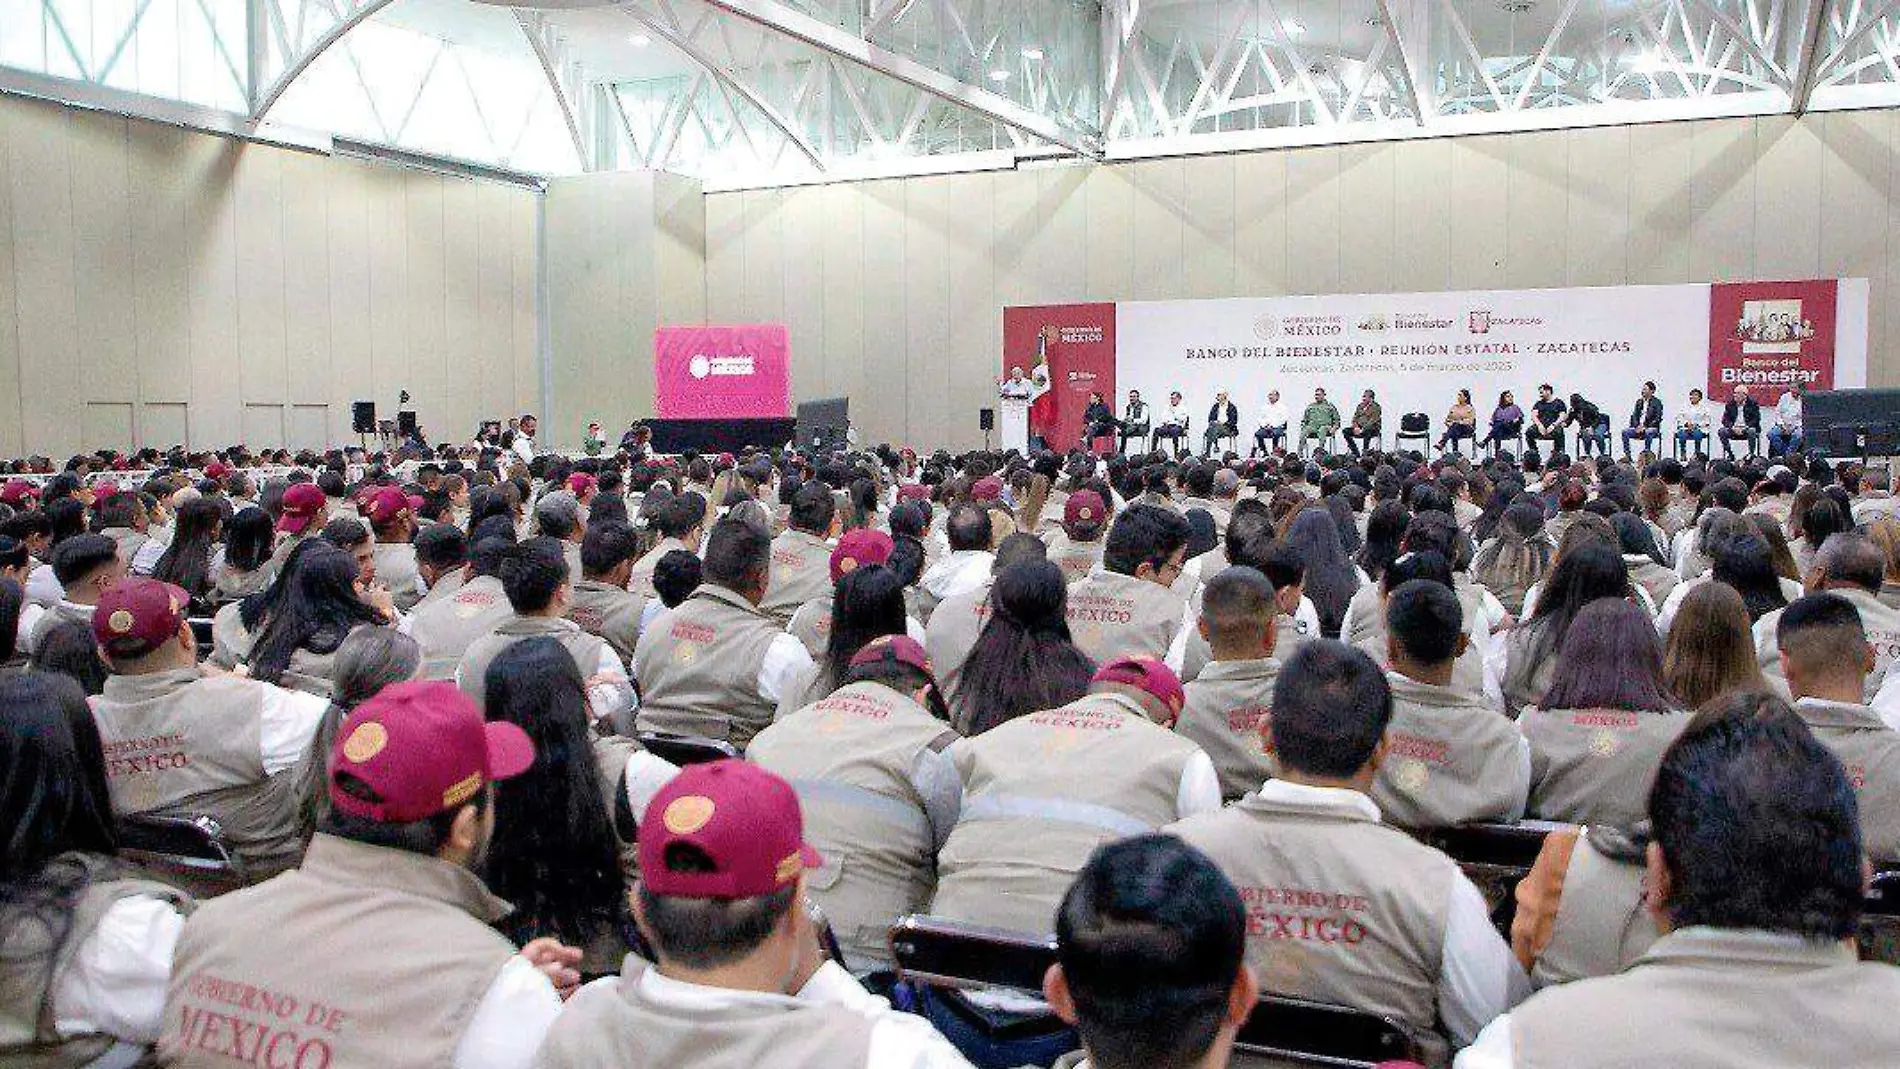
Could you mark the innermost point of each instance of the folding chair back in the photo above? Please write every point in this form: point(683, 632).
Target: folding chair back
point(686, 749)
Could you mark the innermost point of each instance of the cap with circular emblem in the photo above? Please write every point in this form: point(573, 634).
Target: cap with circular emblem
point(418, 749)
point(136, 616)
point(745, 821)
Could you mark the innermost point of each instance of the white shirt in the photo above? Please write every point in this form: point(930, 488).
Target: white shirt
point(1788, 412)
point(42, 586)
point(1275, 414)
point(1478, 978)
point(1017, 389)
point(524, 447)
point(1697, 416)
point(118, 976)
point(898, 1040)
point(1176, 417)
point(287, 723)
point(30, 613)
point(786, 659)
point(959, 573)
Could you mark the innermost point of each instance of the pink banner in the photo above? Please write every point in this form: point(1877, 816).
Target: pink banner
point(719, 372)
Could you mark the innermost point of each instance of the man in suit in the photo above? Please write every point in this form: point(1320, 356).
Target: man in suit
point(1136, 422)
point(1223, 421)
point(1645, 420)
point(1741, 421)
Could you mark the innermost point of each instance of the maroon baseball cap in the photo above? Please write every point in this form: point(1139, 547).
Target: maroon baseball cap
point(580, 482)
point(1145, 674)
point(17, 491)
point(988, 488)
point(746, 821)
point(302, 501)
point(105, 490)
point(857, 548)
point(1084, 509)
point(136, 616)
point(897, 649)
point(217, 469)
point(422, 749)
point(386, 505)
point(913, 492)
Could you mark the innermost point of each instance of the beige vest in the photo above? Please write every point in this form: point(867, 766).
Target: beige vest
point(1870, 751)
point(609, 612)
point(1227, 713)
point(1595, 766)
point(1467, 673)
point(396, 569)
point(1288, 633)
point(699, 668)
point(446, 629)
point(446, 586)
point(1880, 621)
point(952, 635)
point(1076, 559)
point(811, 625)
point(1601, 925)
point(472, 674)
point(617, 1025)
point(1450, 760)
point(1040, 793)
point(1708, 998)
point(801, 571)
point(364, 956)
point(1113, 615)
point(1655, 580)
point(128, 541)
point(178, 743)
point(640, 580)
point(30, 970)
point(854, 758)
point(1340, 908)
point(229, 584)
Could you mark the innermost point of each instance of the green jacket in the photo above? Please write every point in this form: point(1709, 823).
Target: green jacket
point(1321, 419)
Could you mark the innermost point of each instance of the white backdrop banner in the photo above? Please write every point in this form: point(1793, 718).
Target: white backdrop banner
point(1416, 350)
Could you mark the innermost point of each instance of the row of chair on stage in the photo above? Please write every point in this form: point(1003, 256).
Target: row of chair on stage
point(1416, 428)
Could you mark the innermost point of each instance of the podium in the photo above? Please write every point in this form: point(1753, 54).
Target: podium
point(1013, 423)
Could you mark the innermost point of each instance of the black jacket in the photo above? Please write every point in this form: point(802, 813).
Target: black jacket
point(1647, 413)
point(1751, 415)
point(1223, 415)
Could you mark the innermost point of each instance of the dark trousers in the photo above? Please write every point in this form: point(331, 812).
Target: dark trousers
point(990, 1039)
point(1263, 435)
point(1700, 438)
point(1218, 431)
point(1169, 432)
point(1730, 434)
point(1533, 436)
point(1644, 435)
point(1455, 433)
point(1357, 439)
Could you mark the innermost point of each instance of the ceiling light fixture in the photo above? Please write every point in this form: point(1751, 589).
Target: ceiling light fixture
point(1032, 53)
point(1293, 27)
point(999, 76)
point(640, 40)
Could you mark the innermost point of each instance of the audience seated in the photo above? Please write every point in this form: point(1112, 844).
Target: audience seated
point(1130, 608)
point(600, 601)
point(1754, 878)
point(1580, 911)
point(382, 936)
point(801, 556)
point(867, 603)
point(446, 628)
point(960, 620)
point(1228, 703)
point(535, 579)
point(717, 665)
point(739, 977)
point(1825, 657)
point(971, 538)
point(813, 621)
point(1342, 908)
point(86, 566)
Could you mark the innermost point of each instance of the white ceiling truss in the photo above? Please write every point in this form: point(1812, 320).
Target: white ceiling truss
point(763, 92)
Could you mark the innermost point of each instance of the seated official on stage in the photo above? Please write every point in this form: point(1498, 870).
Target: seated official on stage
point(1784, 433)
point(1223, 421)
point(1320, 421)
point(1693, 424)
point(1461, 422)
point(1507, 421)
point(1645, 420)
point(1592, 429)
point(1741, 422)
point(1099, 419)
point(1549, 417)
point(1174, 424)
point(1136, 419)
point(1367, 422)
point(1271, 434)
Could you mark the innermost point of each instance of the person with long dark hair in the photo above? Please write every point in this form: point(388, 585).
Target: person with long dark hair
point(868, 602)
point(1385, 527)
point(1585, 575)
point(245, 569)
point(322, 603)
point(1642, 557)
point(85, 949)
point(556, 853)
point(189, 563)
point(68, 649)
point(1710, 651)
point(1024, 661)
point(18, 624)
point(1743, 563)
point(1604, 721)
point(1331, 579)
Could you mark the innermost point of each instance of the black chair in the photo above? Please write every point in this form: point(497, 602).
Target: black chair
point(1287, 1031)
point(201, 631)
point(1880, 919)
point(1496, 857)
point(685, 749)
point(1413, 425)
point(186, 852)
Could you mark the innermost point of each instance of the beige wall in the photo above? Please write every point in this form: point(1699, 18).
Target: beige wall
point(626, 253)
point(893, 290)
point(157, 283)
